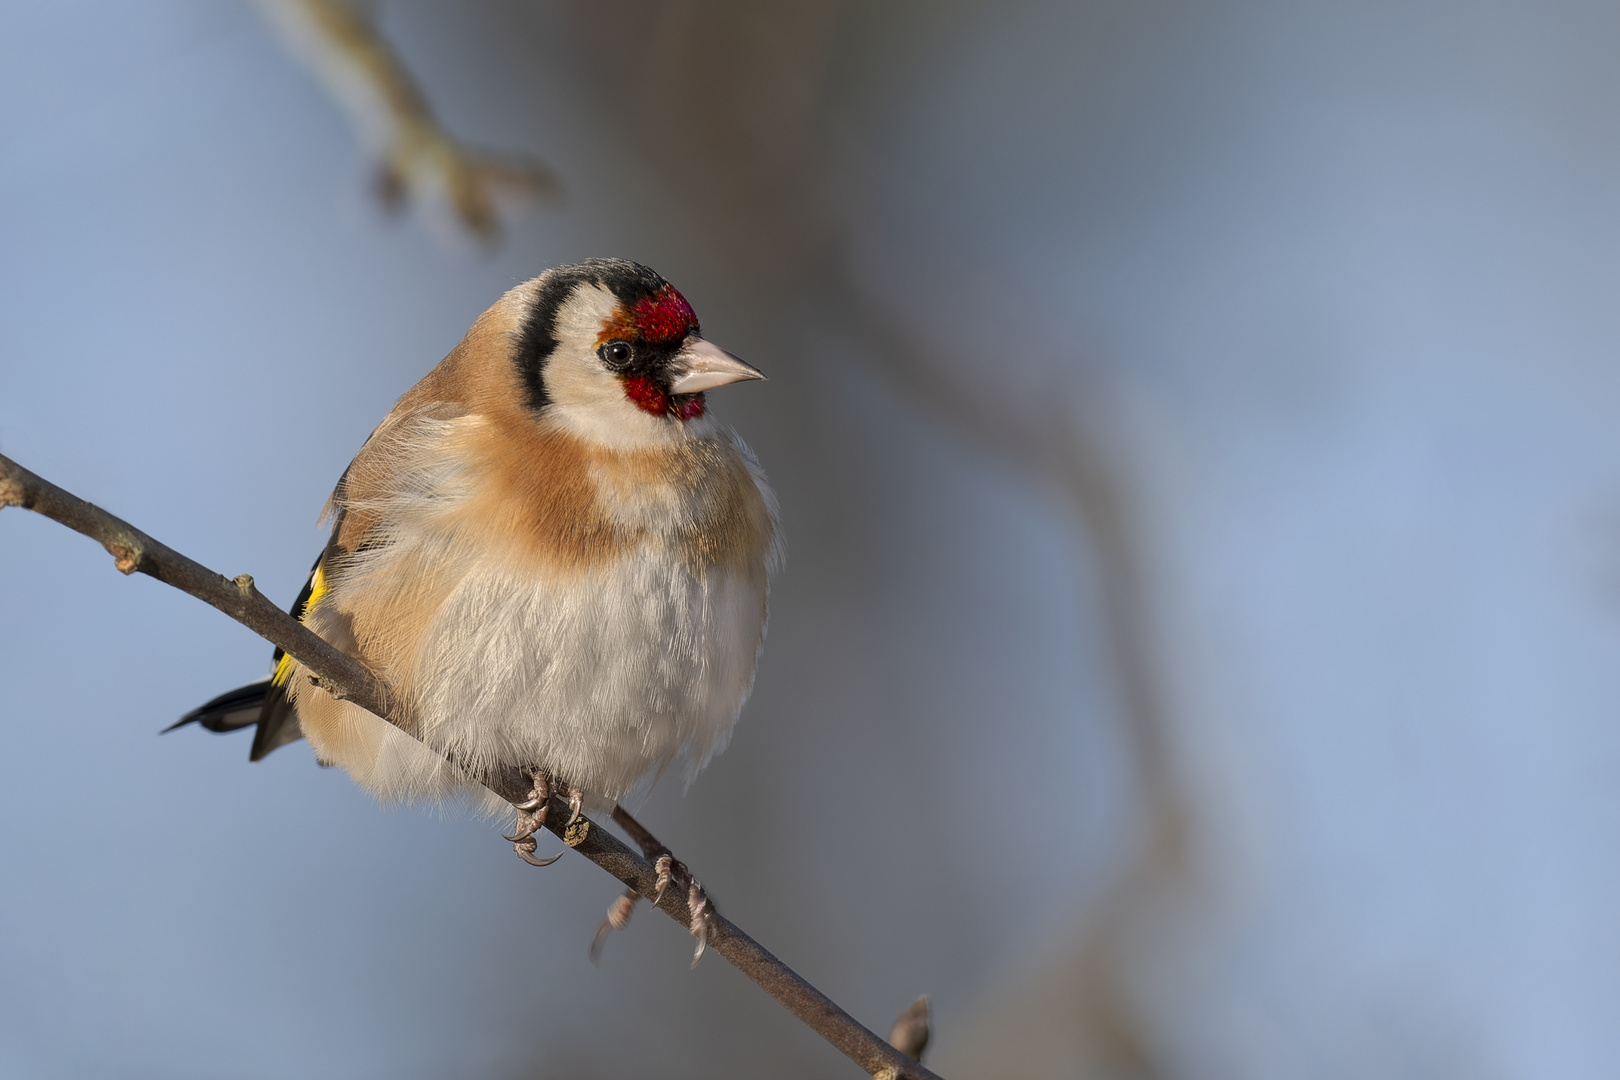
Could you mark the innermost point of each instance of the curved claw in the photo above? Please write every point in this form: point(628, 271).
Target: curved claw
point(665, 867)
point(528, 857)
point(576, 805)
point(698, 901)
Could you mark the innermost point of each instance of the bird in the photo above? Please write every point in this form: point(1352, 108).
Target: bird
point(553, 556)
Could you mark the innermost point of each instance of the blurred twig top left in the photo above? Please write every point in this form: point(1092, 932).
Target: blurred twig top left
point(416, 157)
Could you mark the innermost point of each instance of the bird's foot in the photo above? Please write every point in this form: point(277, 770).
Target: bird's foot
point(531, 818)
point(670, 871)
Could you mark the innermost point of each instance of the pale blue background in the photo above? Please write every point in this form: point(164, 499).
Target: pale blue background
point(1338, 286)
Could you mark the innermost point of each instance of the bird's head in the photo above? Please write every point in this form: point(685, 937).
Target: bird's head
point(612, 351)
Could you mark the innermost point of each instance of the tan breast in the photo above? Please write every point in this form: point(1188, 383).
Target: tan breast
point(569, 506)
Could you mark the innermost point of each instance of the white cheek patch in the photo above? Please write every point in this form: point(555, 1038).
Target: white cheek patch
point(581, 317)
point(587, 399)
point(575, 377)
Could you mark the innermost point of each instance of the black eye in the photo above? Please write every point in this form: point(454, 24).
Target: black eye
point(615, 354)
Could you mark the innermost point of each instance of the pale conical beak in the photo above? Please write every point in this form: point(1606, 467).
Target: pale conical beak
point(701, 366)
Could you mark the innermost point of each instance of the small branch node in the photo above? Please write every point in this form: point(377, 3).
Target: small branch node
point(125, 558)
point(243, 582)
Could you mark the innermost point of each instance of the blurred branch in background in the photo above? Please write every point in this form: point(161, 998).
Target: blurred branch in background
point(345, 679)
point(417, 158)
point(1092, 993)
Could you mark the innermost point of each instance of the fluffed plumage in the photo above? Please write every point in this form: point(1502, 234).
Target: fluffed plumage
point(549, 551)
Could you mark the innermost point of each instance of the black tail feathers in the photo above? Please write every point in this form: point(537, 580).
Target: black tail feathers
point(235, 709)
point(261, 703)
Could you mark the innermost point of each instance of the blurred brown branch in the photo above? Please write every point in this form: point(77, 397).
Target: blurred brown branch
point(417, 155)
point(342, 676)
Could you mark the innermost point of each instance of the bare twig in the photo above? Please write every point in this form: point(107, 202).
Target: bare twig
point(134, 551)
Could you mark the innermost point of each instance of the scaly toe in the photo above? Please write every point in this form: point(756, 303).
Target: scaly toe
point(539, 795)
point(526, 825)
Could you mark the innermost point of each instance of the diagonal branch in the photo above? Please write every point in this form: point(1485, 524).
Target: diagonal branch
point(133, 551)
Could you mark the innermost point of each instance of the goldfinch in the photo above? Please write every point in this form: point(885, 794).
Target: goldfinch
point(550, 552)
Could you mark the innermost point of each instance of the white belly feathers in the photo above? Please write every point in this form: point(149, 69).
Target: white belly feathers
point(603, 671)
